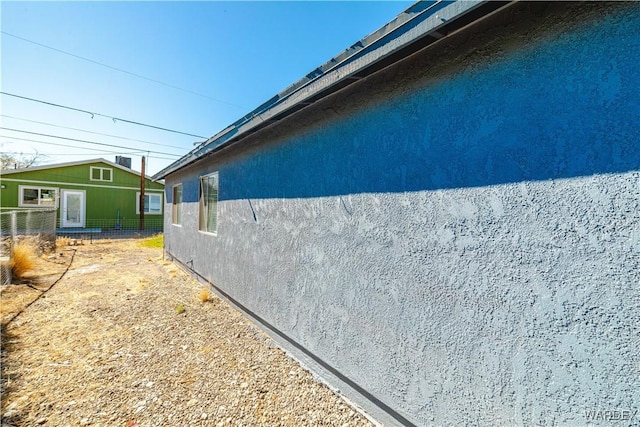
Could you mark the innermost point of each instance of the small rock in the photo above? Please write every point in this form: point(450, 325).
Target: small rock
point(149, 384)
point(41, 420)
point(10, 413)
point(203, 416)
point(84, 421)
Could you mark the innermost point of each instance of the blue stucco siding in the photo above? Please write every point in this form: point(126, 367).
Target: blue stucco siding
point(562, 108)
point(460, 240)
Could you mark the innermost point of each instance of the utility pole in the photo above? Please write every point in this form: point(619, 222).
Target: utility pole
point(142, 195)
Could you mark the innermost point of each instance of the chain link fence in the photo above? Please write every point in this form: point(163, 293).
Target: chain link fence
point(112, 229)
point(37, 226)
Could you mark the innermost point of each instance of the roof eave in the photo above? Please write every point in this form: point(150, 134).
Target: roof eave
point(336, 74)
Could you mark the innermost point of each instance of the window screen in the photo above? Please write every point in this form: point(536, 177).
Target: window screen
point(176, 214)
point(209, 203)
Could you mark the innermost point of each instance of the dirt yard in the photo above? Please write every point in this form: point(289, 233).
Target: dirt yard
point(123, 338)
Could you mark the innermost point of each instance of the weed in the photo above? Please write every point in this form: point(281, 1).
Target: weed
point(204, 295)
point(154, 242)
point(23, 260)
point(62, 242)
point(180, 308)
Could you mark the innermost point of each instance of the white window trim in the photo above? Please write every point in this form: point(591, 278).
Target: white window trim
point(148, 194)
point(36, 187)
point(92, 168)
point(173, 203)
point(210, 233)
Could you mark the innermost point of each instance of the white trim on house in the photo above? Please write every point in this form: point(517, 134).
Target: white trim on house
point(148, 213)
point(63, 165)
point(101, 169)
point(32, 181)
point(203, 210)
point(36, 187)
point(176, 207)
point(64, 222)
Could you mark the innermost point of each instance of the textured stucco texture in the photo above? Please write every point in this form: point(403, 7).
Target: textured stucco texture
point(461, 241)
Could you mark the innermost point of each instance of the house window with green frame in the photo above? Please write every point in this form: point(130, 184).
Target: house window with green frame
point(100, 174)
point(37, 196)
point(208, 205)
point(176, 205)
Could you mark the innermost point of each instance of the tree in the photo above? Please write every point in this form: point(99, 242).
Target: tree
point(19, 161)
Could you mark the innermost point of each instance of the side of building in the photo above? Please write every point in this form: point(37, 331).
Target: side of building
point(453, 239)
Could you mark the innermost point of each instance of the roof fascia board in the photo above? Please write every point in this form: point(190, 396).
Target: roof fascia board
point(55, 165)
point(347, 67)
point(67, 164)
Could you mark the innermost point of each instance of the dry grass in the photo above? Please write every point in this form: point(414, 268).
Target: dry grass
point(14, 299)
point(62, 242)
point(205, 295)
point(24, 259)
point(98, 338)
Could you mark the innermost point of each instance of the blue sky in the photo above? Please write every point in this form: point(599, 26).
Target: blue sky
point(233, 55)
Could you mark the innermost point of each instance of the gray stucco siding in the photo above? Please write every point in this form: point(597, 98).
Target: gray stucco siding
point(462, 242)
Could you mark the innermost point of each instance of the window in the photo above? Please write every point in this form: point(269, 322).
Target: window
point(101, 174)
point(209, 203)
point(152, 203)
point(38, 196)
point(176, 212)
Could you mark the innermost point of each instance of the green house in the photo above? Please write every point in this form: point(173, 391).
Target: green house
point(93, 194)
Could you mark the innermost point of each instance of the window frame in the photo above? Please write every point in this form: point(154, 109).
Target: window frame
point(148, 194)
point(204, 228)
point(101, 169)
point(21, 203)
point(176, 207)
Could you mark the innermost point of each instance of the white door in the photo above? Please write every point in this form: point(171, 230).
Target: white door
point(72, 210)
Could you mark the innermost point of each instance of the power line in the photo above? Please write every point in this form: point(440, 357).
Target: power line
point(139, 152)
point(101, 115)
point(88, 131)
point(81, 140)
point(100, 152)
point(121, 70)
point(64, 145)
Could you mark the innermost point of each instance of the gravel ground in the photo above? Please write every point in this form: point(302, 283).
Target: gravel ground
point(124, 339)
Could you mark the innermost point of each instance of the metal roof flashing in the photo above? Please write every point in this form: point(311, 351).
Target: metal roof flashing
point(420, 20)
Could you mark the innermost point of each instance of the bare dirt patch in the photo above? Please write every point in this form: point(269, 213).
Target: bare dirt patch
point(124, 339)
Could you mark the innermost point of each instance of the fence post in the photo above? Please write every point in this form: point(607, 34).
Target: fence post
point(14, 232)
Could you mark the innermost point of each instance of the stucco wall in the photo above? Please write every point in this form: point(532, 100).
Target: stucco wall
point(462, 241)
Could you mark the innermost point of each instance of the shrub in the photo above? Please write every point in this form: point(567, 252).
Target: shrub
point(204, 295)
point(23, 260)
